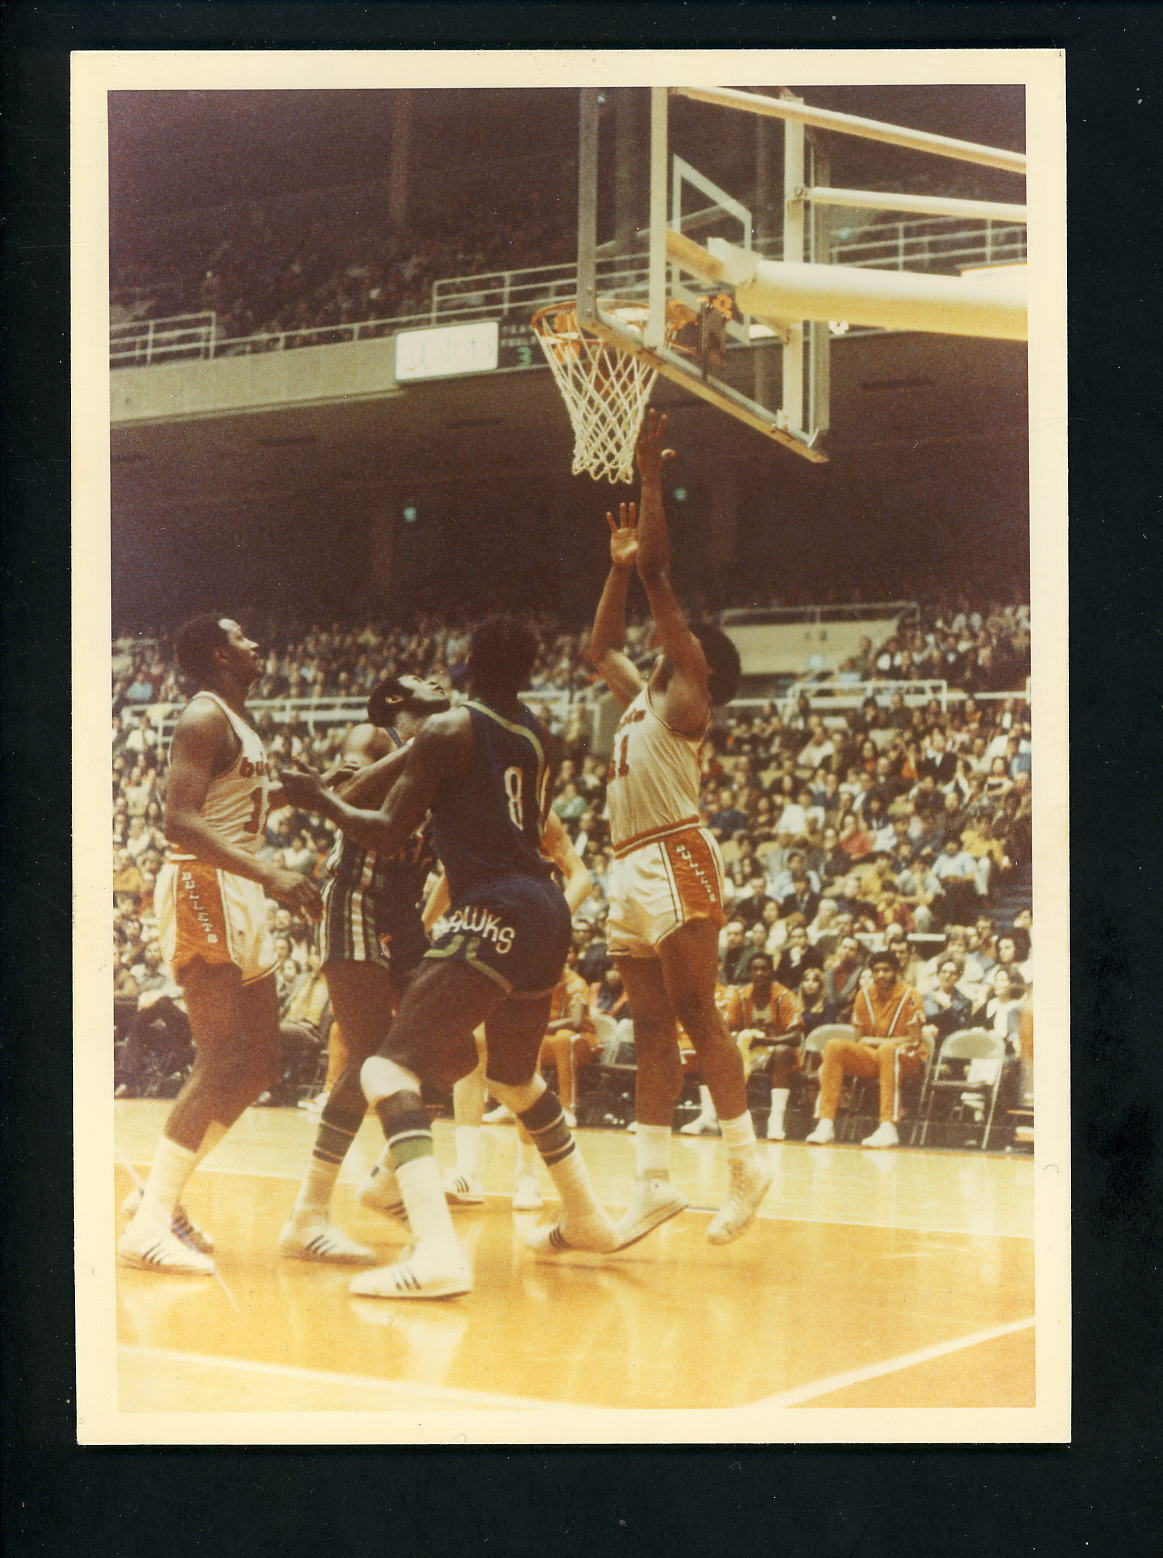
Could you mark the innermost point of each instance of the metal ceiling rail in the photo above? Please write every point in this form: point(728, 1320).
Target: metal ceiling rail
point(853, 124)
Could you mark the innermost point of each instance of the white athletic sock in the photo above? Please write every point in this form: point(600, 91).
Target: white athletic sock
point(214, 1134)
point(423, 1196)
point(468, 1150)
point(652, 1151)
point(527, 1159)
point(779, 1098)
point(172, 1167)
point(317, 1187)
point(739, 1136)
point(572, 1181)
point(706, 1103)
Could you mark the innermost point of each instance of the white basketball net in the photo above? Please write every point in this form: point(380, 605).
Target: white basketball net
point(605, 392)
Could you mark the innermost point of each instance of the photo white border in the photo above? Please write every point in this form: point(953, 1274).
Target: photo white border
point(95, 73)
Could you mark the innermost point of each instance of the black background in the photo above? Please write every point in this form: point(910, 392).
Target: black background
point(1099, 1496)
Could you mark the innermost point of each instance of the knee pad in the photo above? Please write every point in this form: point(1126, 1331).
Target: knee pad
point(380, 1077)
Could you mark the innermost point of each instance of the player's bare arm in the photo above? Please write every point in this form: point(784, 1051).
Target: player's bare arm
point(608, 637)
point(577, 881)
point(686, 700)
point(436, 903)
point(441, 750)
point(369, 767)
point(204, 745)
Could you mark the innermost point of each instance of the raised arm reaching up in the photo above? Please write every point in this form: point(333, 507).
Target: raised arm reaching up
point(686, 698)
point(608, 638)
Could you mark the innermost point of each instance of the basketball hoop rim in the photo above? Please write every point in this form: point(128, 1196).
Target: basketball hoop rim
point(541, 326)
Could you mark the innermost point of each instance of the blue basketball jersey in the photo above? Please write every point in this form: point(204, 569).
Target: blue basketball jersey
point(487, 822)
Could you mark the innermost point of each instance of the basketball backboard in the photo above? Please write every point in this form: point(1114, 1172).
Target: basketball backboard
point(704, 243)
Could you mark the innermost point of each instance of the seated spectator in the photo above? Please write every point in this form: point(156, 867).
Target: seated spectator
point(947, 1007)
point(914, 885)
point(589, 945)
point(735, 955)
point(727, 820)
point(765, 1019)
point(798, 954)
point(818, 750)
point(1022, 932)
point(158, 1048)
point(889, 1046)
point(794, 868)
point(749, 905)
point(801, 898)
point(608, 996)
point(855, 839)
point(841, 979)
point(908, 960)
point(1007, 957)
point(823, 932)
point(813, 1001)
point(998, 1007)
point(955, 872)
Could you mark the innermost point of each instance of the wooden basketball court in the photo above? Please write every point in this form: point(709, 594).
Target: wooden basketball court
point(872, 1279)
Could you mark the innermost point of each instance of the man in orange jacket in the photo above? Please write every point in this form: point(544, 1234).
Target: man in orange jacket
point(888, 1017)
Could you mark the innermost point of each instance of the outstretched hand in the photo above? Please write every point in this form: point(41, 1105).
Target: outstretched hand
point(303, 788)
point(295, 891)
point(623, 535)
point(649, 452)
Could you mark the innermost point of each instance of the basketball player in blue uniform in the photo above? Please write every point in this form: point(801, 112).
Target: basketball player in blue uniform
point(481, 771)
point(371, 940)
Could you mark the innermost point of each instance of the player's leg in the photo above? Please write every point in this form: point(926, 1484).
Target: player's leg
point(362, 995)
point(462, 1184)
point(784, 1063)
point(431, 1040)
point(557, 1051)
point(527, 1195)
point(237, 1055)
point(895, 1065)
point(842, 1057)
point(658, 1083)
point(690, 958)
point(513, 1038)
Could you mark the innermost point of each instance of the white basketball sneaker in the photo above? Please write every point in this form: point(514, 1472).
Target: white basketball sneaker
point(654, 1199)
point(527, 1195)
point(463, 1189)
point(823, 1135)
point(750, 1180)
point(152, 1250)
point(181, 1223)
point(314, 1238)
point(380, 1191)
point(426, 1271)
point(883, 1136)
point(595, 1233)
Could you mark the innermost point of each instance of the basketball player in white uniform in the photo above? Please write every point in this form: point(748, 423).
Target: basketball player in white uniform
point(665, 889)
point(212, 921)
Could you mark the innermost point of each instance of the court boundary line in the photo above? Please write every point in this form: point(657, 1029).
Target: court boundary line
point(290, 1371)
point(778, 1217)
point(908, 1360)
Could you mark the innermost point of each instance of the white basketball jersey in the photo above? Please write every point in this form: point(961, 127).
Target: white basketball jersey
point(653, 778)
point(236, 801)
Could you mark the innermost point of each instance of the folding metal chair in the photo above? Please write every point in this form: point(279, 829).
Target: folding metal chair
point(951, 1075)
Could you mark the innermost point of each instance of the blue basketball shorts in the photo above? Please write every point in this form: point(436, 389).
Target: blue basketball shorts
point(514, 929)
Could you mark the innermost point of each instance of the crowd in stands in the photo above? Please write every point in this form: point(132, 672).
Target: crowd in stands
point(893, 825)
point(300, 263)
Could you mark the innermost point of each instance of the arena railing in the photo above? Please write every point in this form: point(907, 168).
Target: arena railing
point(933, 243)
point(561, 707)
